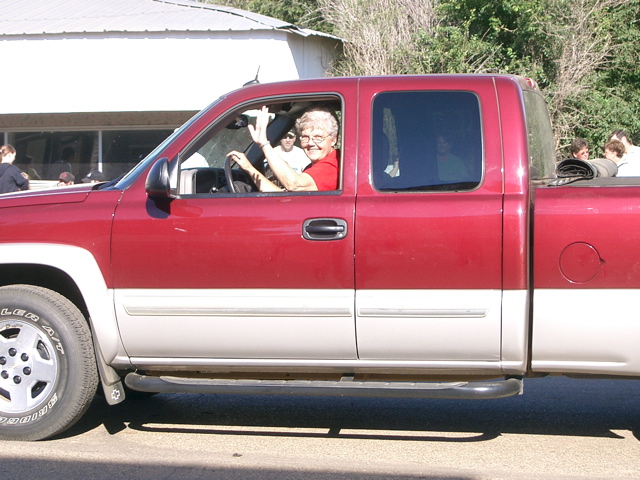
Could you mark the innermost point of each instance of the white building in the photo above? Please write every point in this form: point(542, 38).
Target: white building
point(112, 78)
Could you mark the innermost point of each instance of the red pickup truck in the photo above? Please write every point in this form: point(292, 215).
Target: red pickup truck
point(444, 265)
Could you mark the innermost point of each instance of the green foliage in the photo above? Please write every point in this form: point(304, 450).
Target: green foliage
point(450, 50)
point(612, 99)
point(474, 36)
point(616, 102)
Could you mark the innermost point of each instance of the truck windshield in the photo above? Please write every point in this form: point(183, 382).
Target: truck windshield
point(127, 179)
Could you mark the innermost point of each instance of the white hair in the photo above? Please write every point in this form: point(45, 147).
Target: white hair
point(319, 117)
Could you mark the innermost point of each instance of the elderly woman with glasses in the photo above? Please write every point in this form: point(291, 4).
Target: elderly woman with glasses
point(318, 129)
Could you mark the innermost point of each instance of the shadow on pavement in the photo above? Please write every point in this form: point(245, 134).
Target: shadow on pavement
point(549, 406)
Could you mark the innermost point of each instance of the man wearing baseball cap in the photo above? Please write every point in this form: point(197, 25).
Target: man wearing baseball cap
point(94, 176)
point(66, 178)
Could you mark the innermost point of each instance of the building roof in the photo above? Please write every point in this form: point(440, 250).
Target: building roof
point(61, 17)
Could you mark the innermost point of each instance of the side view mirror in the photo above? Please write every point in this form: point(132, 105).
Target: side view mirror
point(158, 184)
point(241, 121)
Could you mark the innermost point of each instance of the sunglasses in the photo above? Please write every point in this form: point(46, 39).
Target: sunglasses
point(289, 136)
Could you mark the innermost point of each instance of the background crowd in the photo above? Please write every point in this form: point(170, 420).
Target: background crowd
point(619, 149)
point(12, 179)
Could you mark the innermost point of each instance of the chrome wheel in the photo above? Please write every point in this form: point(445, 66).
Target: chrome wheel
point(28, 369)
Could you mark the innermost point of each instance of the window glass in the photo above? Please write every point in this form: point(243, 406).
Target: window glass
point(426, 141)
point(202, 162)
point(540, 137)
point(235, 136)
point(123, 149)
point(44, 155)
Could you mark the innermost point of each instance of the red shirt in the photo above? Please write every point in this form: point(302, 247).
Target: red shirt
point(325, 171)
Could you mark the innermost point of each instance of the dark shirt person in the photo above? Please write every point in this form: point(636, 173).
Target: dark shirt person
point(94, 176)
point(318, 129)
point(64, 164)
point(11, 178)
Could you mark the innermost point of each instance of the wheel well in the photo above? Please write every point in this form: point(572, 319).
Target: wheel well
point(43, 276)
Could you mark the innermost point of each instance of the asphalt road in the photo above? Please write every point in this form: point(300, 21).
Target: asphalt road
point(559, 429)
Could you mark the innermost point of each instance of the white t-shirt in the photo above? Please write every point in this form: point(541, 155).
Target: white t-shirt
point(629, 166)
point(296, 158)
point(194, 161)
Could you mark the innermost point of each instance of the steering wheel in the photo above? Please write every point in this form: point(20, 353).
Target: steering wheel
point(228, 176)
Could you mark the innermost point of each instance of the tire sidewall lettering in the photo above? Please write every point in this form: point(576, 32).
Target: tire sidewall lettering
point(56, 341)
point(32, 417)
point(19, 312)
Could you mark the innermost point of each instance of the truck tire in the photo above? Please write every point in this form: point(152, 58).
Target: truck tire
point(48, 373)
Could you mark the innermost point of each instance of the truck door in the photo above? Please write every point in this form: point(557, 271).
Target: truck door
point(250, 275)
point(429, 223)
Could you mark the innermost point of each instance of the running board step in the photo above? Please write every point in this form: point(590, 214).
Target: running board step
point(346, 387)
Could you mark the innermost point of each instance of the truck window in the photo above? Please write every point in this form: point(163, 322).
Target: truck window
point(202, 162)
point(426, 141)
point(540, 137)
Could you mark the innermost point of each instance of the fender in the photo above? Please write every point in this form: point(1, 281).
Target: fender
point(83, 269)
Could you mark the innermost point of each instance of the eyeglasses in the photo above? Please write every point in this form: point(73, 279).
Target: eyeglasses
point(317, 139)
point(289, 137)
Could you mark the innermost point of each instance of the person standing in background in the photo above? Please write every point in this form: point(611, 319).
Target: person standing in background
point(629, 166)
point(11, 178)
point(66, 179)
point(579, 149)
point(64, 164)
point(614, 151)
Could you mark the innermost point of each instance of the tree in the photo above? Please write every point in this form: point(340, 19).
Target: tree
point(377, 33)
point(613, 100)
point(583, 48)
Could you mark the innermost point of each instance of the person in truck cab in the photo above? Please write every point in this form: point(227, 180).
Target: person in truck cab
point(450, 167)
point(292, 154)
point(318, 129)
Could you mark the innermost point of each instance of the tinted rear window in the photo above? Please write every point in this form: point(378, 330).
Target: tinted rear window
point(426, 141)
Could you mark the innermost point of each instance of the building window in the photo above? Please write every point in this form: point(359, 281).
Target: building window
point(114, 152)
